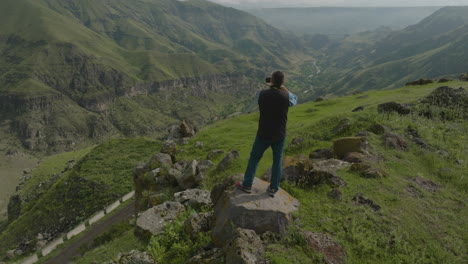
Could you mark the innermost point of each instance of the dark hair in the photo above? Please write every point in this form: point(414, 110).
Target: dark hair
point(277, 79)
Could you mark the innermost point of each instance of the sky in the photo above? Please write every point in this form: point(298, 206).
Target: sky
point(296, 3)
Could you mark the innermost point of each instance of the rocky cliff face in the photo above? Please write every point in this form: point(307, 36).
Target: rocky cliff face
point(61, 119)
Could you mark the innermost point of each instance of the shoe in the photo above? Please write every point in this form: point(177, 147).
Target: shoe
point(271, 192)
point(242, 188)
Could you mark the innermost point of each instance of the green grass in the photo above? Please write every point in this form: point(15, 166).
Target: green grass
point(426, 229)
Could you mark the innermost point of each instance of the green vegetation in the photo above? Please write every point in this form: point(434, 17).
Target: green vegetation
point(101, 177)
point(175, 245)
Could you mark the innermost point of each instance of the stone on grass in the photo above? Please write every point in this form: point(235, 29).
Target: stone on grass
point(152, 221)
point(426, 184)
point(194, 198)
point(228, 159)
point(363, 134)
point(361, 199)
point(343, 146)
point(256, 211)
point(207, 256)
point(332, 251)
point(199, 144)
point(359, 108)
point(394, 141)
point(378, 129)
point(297, 142)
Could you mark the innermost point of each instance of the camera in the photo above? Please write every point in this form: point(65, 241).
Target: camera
point(268, 79)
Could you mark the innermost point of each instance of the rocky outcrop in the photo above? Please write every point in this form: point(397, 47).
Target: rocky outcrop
point(363, 200)
point(256, 211)
point(244, 247)
point(394, 141)
point(152, 221)
point(194, 198)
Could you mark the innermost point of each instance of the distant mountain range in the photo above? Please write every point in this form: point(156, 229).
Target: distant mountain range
point(337, 22)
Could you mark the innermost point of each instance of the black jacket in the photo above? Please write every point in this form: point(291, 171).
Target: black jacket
point(274, 106)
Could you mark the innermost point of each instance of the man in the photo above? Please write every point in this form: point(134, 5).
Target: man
point(274, 104)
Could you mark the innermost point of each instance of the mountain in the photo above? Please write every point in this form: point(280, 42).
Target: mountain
point(74, 73)
point(337, 22)
point(433, 48)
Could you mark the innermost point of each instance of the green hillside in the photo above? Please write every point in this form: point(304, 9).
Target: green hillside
point(414, 225)
point(54, 204)
point(70, 68)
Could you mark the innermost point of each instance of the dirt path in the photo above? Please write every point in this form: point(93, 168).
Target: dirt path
point(72, 250)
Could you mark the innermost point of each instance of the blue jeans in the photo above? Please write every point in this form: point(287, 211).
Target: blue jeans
point(258, 149)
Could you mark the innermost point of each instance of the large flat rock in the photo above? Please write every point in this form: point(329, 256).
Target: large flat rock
point(256, 211)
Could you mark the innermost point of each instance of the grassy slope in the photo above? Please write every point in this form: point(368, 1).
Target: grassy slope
point(100, 177)
point(425, 229)
point(429, 228)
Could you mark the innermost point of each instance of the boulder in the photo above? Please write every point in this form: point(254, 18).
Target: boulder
point(245, 247)
point(390, 107)
point(191, 177)
point(228, 159)
point(343, 146)
point(152, 221)
point(332, 251)
point(256, 211)
point(426, 184)
point(322, 154)
point(267, 175)
point(133, 257)
point(324, 172)
point(160, 160)
point(361, 199)
point(173, 175)
point(194, 198)
point(204, 165)
point(202, 222)
point(214, 154)
point(363, 134)
point(188, 129)
point(358, 109)
point(394, 141)
point(169, 147)
point(295, 168)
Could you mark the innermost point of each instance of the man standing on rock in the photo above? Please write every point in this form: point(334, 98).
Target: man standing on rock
point(274, 104)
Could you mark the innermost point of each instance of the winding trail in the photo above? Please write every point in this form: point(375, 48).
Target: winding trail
point(72, 250)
